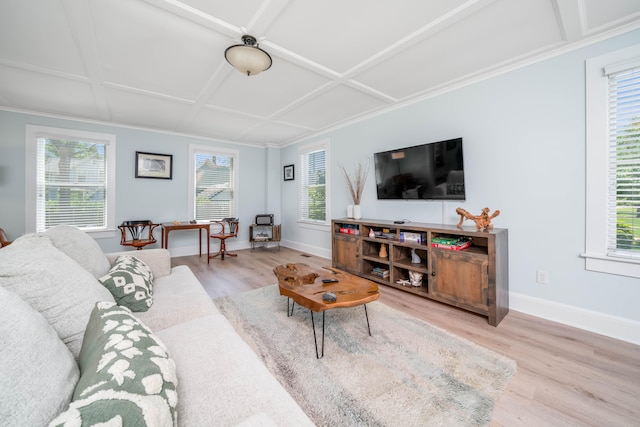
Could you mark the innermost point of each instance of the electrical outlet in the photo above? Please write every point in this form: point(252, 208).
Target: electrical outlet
point(542, 277)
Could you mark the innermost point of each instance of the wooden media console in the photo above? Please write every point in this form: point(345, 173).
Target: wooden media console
point(474, 278)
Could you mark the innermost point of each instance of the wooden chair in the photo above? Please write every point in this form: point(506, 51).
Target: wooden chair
point(228, 229)
point(4, 240)
point(137, 231)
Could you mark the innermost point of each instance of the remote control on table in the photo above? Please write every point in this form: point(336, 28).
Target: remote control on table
point(329, 280)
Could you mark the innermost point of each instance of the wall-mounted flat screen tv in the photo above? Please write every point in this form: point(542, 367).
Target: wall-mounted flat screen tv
point(433, 171)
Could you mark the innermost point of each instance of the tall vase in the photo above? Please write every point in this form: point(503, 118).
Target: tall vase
point(349, 211)
point(357, 213)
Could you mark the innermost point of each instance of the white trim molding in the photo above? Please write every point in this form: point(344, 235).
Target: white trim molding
point(604, 324)
point(32, 133)
point(314, 250)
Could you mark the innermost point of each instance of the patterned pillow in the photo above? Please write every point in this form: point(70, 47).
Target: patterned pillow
point(130, 281)
point(126, 375)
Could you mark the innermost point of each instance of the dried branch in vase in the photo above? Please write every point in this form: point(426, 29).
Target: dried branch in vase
point(355, 182)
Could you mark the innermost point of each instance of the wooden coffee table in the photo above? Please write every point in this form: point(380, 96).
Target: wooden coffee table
point(305, 286)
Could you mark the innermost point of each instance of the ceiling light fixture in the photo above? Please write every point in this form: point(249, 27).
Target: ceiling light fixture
point(248, 58)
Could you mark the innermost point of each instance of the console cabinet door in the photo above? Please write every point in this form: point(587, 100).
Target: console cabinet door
point(346, 253)
point(460, 279)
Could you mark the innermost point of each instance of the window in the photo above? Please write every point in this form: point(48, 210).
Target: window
point(613, 163)
point(624, 162)
point(313, 185)
point(213, 194)
point(70, 179)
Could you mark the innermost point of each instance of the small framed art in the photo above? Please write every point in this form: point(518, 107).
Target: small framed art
point(288, 173)
point(152, 165)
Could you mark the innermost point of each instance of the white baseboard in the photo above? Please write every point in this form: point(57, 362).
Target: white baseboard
point(195, 250)
point(592, 321)
point(233, 245)
point(313, 250)
point(185, 251)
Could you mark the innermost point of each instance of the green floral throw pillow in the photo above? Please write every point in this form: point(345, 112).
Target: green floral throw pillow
point(126, 375)
point(130, 281)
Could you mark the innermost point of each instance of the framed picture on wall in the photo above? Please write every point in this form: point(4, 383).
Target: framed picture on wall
point(288, 173)
point(152, 165)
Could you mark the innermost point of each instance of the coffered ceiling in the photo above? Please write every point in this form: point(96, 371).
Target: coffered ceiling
point(159, 63)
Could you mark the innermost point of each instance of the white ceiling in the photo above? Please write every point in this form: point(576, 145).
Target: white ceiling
point(159, 63)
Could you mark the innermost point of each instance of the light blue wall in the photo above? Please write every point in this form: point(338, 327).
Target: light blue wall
point(136, 198)
point(524, 152)
point(272, 189)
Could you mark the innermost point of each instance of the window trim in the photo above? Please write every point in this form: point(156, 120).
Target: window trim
point(324, 144)
point(32, 133)
point(596, 256)
point(193, 148)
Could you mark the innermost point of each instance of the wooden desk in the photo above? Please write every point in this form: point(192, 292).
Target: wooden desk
point(170, 226)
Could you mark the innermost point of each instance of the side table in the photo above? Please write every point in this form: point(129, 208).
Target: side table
point(264, 234)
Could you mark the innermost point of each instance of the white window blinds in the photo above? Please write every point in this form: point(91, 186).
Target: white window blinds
point(313, 192)
point(623, 204)
point(214, 185)
point(71, 183)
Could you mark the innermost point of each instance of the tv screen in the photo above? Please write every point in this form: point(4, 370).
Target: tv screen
point(433, 171)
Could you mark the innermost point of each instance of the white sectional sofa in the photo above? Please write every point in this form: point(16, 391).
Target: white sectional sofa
point(51, 303)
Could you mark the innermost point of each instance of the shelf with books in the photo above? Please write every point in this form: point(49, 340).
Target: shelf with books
point(346, 229)
point(376, 271)
point(459, 242)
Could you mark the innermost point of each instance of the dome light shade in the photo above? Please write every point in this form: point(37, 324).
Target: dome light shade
point(248, 58)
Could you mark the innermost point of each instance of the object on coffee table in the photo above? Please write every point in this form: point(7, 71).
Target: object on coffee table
point(329, 297)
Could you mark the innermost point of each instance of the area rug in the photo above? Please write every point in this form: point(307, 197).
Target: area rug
point(408, 373)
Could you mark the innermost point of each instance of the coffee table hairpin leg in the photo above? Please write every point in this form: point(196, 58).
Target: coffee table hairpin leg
point(293, 304)
point(313, 325)
point(367, 316)
point(314, 335)
point(290, 313)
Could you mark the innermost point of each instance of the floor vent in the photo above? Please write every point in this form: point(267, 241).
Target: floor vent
point(305, 255)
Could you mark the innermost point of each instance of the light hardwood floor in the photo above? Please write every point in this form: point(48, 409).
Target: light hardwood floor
point(565, 377)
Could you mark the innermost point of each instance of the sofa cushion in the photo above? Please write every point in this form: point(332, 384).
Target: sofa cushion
point(80, 247)
point(130, 282)
point(176, 299)
point(37, 371)
point(53, 284)
point(126, 374)
point(213, 360)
